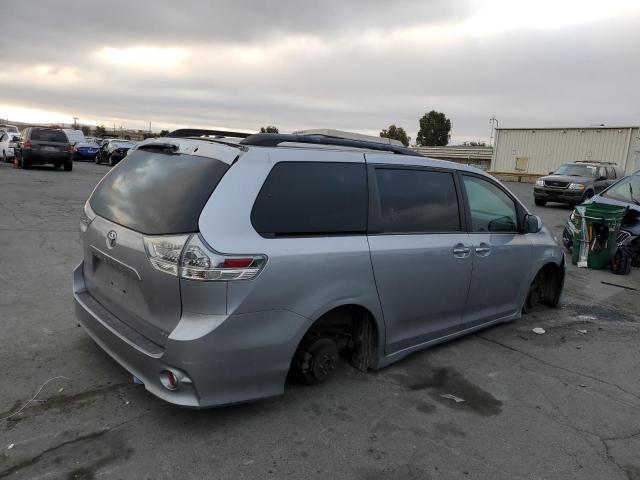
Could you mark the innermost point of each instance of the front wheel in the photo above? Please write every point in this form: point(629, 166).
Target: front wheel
point(316, 360)
point(545, 289)
point(96, 159)
point(540, 203)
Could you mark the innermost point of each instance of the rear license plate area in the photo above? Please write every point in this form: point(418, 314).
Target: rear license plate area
point(116, 281)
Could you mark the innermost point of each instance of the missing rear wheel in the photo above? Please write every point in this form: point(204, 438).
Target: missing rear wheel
point(316, 360)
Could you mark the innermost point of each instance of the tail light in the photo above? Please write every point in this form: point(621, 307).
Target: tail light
point(189, 257)
point(87, 217)
point(26, 145)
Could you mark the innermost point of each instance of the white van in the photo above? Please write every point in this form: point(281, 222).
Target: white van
point(74, 136)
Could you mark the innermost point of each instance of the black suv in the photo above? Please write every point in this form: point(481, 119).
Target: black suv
point(45, 145)
point(573, 183)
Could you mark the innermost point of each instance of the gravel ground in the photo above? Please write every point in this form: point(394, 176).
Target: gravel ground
point(561, 405)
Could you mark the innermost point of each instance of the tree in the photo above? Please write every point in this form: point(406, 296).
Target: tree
point(269, 129)
point(434, 129)
point(396, 133)
point(164, 133)
point(86, 130)
point(100, 131)
point(148, 135)
point(127, 137)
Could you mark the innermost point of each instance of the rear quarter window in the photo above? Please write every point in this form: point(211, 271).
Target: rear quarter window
point(312, 198)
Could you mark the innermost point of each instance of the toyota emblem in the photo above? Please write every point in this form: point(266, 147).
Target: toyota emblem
point(111, 238)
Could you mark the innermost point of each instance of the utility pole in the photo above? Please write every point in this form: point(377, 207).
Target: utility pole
point(493, 121)
point(75, 122)
point(149, 127)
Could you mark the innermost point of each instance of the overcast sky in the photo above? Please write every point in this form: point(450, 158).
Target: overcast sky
point(356, 65)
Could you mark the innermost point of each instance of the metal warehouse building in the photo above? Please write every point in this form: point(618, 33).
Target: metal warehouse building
point(538, 151)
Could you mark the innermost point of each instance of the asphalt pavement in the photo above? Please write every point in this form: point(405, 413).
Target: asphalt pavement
point(562, 405)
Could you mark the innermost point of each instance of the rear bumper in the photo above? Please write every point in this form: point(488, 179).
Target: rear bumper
point(85, 154)
point(38, 156)
point(228, 358)
point(561, 196)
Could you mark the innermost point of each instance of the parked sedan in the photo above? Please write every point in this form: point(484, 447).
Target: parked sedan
point(8, 143)
point(113, 150)
point(87, 150)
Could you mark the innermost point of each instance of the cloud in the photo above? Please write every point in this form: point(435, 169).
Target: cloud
point(358, 65)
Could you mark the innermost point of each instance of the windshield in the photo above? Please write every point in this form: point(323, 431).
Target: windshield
point(122, 144)
point(575, 170)
point(626, 190)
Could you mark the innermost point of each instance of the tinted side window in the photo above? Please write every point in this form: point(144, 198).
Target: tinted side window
point(417, 201)
point(492, 210)
point(312, 198)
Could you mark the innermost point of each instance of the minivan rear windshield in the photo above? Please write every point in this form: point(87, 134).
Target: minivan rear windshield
point(48, 136)
point(157, 193)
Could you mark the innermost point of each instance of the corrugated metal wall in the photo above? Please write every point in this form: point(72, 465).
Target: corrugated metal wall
point(546, 149)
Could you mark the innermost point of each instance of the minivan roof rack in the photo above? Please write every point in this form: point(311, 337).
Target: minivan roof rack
point(198, 132)
point(275, 139)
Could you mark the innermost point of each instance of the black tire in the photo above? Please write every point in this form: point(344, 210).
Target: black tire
point(112, 162)
point(545, 289)
point(622, 261)
point(97, 159)
point(316, 360)
point(587, 195)
point(68, 166)
point(540, 203)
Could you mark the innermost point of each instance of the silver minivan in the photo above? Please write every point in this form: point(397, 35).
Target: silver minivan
point(214, 268)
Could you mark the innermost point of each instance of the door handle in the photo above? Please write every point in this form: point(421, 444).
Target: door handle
point(461, 251)
point(483, 250)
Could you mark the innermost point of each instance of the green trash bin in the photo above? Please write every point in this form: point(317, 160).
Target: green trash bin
point(602, 222)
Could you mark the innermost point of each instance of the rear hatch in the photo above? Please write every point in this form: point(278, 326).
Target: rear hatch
point(48, 140)
point(152, 193)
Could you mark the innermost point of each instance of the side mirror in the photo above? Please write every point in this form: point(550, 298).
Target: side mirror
point(550, 173)
point(532, 224)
